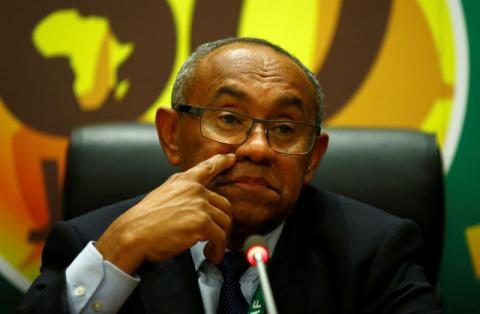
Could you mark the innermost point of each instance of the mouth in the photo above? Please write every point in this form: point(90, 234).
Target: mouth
point(253, 184)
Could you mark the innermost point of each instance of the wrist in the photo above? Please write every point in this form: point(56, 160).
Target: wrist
point(120, 250)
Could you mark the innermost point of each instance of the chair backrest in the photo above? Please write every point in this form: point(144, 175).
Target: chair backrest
point(398, 171)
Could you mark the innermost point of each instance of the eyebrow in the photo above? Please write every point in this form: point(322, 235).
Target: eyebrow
point(232, 91)
point(289, 100)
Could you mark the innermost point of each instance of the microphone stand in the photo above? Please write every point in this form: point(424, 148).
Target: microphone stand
point(265, 284)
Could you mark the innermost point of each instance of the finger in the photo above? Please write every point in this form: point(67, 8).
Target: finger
point(217, 242)
point(220, 210)
point(205, 171)
point(218, 201)
point(220, 218)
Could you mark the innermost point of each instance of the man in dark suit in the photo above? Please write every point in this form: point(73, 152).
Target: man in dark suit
point(245, 129)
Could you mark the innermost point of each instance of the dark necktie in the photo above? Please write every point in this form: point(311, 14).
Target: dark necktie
point(232, 267)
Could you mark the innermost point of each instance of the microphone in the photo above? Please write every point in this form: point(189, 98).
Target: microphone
point(256, 252)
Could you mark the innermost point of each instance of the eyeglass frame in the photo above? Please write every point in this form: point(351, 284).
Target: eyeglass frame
point(198, 111)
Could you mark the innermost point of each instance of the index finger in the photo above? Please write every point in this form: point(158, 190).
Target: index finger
point(206, 170)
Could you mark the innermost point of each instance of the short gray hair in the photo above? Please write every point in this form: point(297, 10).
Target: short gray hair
point(187, 71)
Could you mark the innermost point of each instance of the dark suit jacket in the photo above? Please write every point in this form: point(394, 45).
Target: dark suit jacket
point(335, 255)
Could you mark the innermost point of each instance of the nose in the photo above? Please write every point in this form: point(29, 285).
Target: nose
point(256, 147)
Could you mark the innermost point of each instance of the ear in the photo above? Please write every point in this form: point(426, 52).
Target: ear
point(318, 151)
point(166, 121)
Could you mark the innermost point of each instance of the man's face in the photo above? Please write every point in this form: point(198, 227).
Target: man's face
point(263, 185)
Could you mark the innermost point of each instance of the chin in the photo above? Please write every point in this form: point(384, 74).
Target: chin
point(254, 212)
point(251, 219)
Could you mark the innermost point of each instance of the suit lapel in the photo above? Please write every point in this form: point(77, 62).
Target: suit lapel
point(171, 286)
point(303, 273)
point(294, 271)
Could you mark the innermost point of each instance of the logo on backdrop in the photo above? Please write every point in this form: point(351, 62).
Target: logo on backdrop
point(42, 52)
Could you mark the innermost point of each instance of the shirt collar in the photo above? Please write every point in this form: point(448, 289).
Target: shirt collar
point(197, 250)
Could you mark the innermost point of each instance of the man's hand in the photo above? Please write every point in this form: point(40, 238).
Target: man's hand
point(172, 218)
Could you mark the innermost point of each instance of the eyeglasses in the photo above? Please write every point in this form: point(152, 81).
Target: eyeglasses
point(230, 127)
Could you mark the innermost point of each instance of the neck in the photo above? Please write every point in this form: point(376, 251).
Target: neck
point(239, 235)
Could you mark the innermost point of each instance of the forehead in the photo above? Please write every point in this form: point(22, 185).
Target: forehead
point(258, 72)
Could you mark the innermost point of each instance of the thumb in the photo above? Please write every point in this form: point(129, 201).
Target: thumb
point(208, 169)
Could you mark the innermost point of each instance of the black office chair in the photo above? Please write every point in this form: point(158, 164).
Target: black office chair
point(398, 171)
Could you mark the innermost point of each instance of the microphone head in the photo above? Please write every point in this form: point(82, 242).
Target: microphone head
point(255, 244)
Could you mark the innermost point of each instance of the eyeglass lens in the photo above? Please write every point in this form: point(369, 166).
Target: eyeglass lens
point(288, 137)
